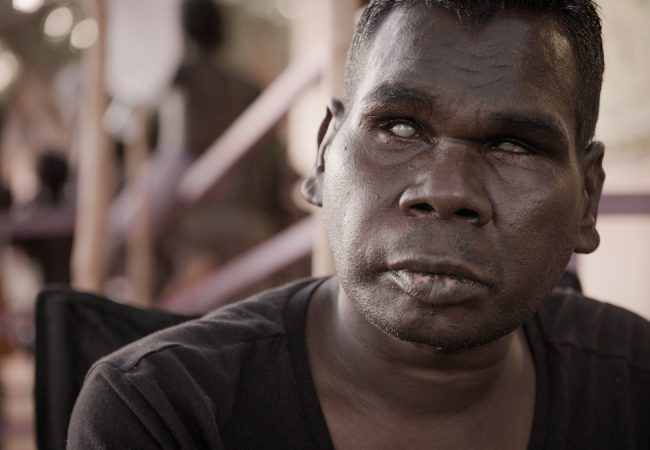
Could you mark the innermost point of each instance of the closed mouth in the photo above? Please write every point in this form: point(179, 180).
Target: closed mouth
point(438, 281)
point(446, 278)
point(444, 270)
point(436, 288)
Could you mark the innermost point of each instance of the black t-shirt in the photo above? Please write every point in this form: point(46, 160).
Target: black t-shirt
point(239, 378)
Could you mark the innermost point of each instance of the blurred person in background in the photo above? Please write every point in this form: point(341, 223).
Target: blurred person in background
point(254, 201)
point(50, 252)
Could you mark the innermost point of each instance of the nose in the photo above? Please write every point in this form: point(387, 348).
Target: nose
point(449, 185)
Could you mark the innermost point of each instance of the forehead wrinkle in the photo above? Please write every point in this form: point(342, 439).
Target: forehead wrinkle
point(490, 51)
point(490, 66)
point(485, 55)
point(486, 83)
point(497, 67)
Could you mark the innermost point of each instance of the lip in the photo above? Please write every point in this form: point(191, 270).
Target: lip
point(440, 266)
point(438, 281)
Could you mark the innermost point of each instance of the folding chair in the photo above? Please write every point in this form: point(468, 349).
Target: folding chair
point(73, 330)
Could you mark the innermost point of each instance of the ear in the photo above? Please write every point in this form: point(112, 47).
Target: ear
point(312, 187)
point(594, 176)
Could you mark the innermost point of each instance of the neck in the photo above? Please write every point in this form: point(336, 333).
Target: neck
point(410, 377)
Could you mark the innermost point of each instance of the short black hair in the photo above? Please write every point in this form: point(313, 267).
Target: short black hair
point(202, 23)
point(578, 19)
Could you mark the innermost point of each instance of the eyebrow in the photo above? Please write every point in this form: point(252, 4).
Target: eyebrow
point(545, 125)
point(391, 94)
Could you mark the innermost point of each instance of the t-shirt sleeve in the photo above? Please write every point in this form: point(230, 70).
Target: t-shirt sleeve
point(111, 413)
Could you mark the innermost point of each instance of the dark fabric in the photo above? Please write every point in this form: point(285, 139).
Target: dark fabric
point(73, 330)
point(593, 372)
point(570, 280)
point(239, 379)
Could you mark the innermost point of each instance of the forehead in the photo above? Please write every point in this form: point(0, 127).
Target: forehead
point(510, 61)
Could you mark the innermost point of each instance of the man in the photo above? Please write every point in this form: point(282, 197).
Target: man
point(456, 178)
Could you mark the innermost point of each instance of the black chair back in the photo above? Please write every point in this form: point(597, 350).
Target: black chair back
point(73, 330)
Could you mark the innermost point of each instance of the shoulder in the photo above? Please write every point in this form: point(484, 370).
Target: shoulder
point(571, 321)
point(203, 383)
point(230, 331)
point(183, 384)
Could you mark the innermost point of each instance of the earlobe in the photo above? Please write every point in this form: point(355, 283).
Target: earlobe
point(312, 187)
point(594, 177)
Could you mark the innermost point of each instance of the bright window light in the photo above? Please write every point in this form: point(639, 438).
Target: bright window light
point(26, 6)
point(8, 69)
point(84, 34)
point(58, 23)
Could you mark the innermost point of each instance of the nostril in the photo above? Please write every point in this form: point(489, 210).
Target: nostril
point(467, 213)
point(422, 208)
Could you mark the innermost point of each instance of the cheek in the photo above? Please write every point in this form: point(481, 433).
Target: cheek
point(355, 202)
point(343, 201)
point(353, 184)
point(543, 200)
point(540, 228)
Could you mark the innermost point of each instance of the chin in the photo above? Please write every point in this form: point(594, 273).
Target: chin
point(441, 328)
point(451, 341)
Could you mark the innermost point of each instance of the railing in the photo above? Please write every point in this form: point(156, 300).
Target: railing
point(254, 123)
point(244, 271)
point(617, 204)
point(204, 175)
point(38, 222)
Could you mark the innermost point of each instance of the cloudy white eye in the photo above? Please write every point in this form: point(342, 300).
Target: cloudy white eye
point(511, 147)
point(403, 130)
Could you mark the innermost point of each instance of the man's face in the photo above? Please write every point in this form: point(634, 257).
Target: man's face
point(452, 189)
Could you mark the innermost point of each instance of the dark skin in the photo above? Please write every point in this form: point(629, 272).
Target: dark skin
point(454, 192)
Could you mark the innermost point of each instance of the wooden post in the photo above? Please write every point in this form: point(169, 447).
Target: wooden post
point(139, 235)
point(95, 183)
point(340, 26)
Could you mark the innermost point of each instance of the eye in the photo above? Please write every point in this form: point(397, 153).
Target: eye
point(403, 130)
point(511, 147)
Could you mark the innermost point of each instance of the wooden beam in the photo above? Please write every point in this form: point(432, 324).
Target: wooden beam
point(614, 204)
point(140, 236)
point(341, 15)
point(96, 178)
point(244, 271)
point(37, 222)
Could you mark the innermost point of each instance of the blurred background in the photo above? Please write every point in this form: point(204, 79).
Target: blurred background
point(151, 151)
